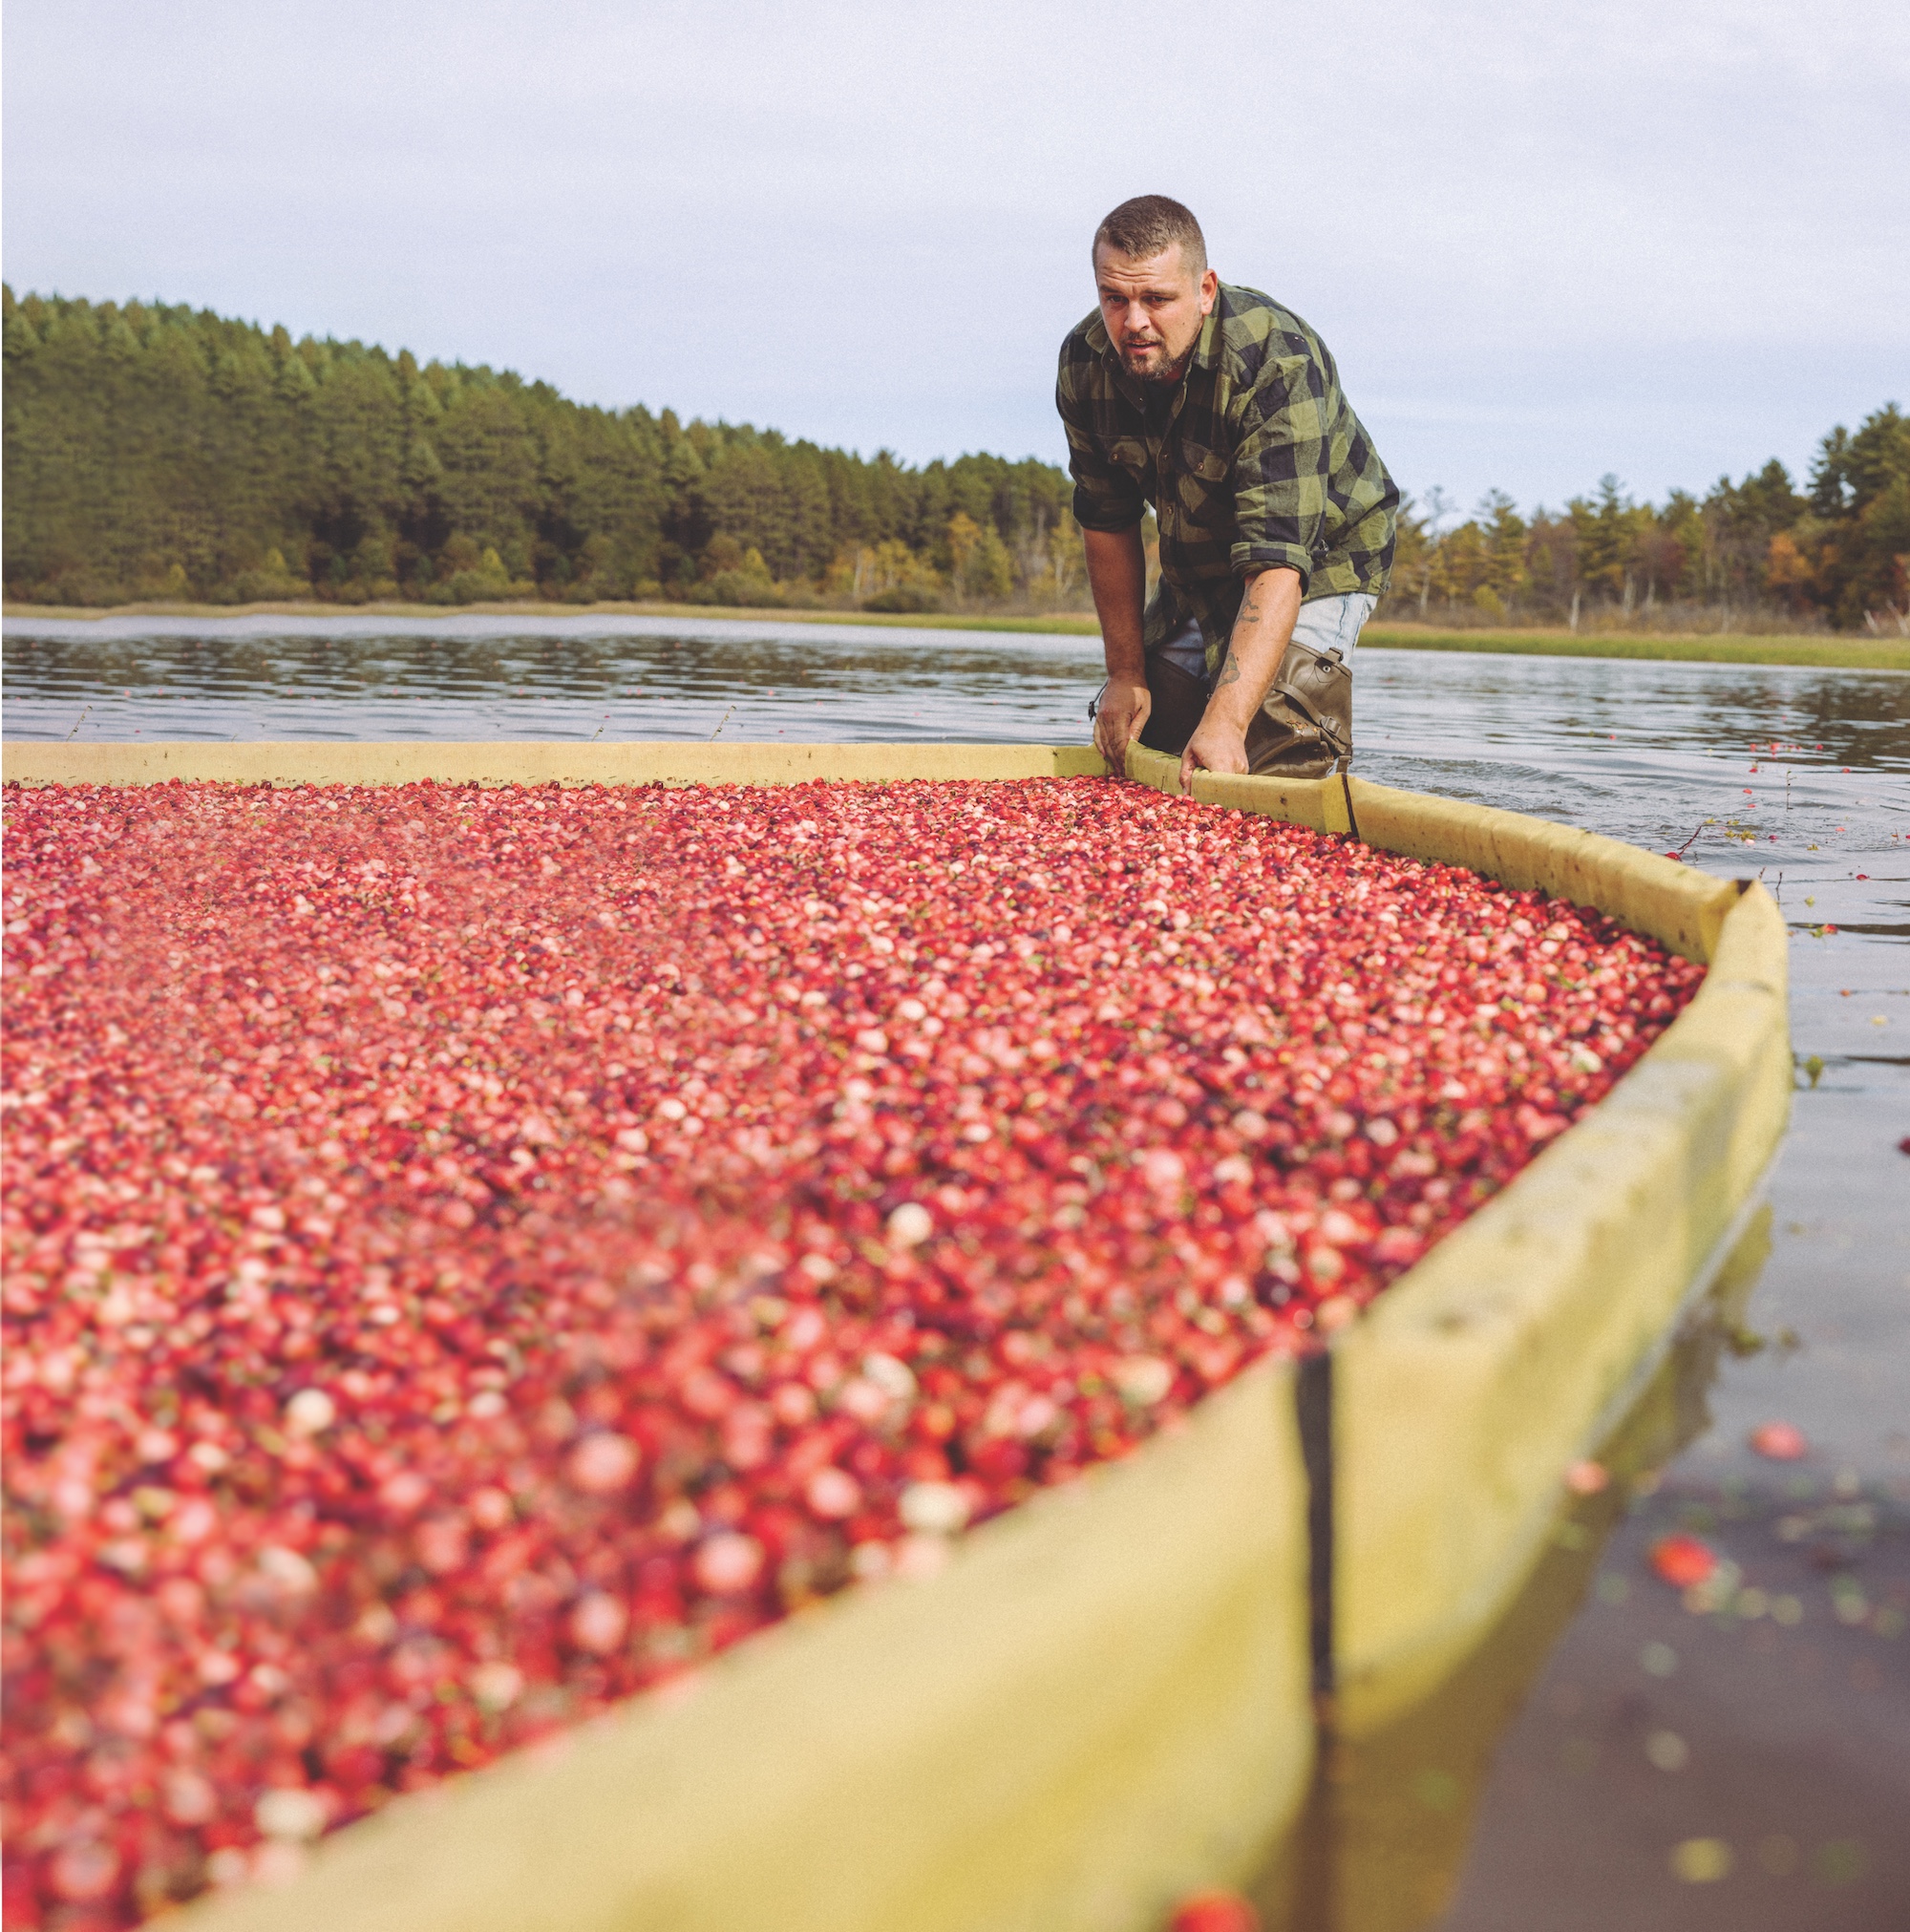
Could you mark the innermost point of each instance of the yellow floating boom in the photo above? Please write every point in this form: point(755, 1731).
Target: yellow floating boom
point(1108, 1697)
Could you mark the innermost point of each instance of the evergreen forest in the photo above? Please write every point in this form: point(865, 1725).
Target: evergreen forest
point(161, 453)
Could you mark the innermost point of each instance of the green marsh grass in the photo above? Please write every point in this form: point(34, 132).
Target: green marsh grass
point(1824, 653)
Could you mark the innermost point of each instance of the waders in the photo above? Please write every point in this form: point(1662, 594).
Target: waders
point(1303, 729)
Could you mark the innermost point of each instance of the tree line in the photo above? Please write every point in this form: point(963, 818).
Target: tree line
point(155, 452)
point(1836, 551)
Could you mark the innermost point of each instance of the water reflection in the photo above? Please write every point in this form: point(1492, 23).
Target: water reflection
point(491, 679)
point(1386, 1831)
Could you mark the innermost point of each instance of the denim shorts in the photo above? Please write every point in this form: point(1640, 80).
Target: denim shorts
point(1334, 623)
point(1325, 624)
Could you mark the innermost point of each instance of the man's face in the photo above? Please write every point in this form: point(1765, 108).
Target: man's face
point(1153, 309)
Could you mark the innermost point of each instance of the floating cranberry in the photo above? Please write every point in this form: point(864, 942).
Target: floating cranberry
point(1683, 1562)
point(290, 1812)
point(1214, 1912)
point(833, 1494)
point(85, 1871)
point(1780, 1441)
point(911, 1224)
point(601, 1464)
point(310, 1412)
point(728, 1565)
point(598, 1622)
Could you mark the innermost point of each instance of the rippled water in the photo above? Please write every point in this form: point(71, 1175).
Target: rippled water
point(487, 677)
point(1547, 1795)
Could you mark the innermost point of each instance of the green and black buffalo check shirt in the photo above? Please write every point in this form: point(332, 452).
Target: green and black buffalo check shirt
point(1255, 459)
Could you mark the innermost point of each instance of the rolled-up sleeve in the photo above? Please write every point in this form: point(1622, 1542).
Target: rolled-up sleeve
point(1106, 495)
point(1282, 465)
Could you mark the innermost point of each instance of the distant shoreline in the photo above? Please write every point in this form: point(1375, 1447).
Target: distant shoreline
point(1067, 624)
point(1816, 653)
point(1819, 653)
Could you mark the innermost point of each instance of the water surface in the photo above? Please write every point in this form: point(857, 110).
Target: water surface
point(1543, 1791)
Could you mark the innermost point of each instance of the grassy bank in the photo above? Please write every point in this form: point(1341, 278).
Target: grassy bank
point(1826, 653)
point(1062, 623)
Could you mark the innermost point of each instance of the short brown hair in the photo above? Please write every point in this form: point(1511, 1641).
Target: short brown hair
point(1150, 224)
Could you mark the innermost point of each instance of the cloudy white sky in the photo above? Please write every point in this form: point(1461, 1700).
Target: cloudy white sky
point(1662, 238)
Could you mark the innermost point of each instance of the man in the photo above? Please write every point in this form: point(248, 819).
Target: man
point(1224, 412)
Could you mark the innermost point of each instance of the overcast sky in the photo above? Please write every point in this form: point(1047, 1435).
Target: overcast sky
point(1656, 236)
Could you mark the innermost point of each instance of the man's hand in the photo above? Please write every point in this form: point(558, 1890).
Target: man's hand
point(1121, 719)
point(1217, 745)
point(1262, 633)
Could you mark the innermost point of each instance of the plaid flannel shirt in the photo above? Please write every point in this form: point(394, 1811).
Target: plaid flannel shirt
point(1255, 461)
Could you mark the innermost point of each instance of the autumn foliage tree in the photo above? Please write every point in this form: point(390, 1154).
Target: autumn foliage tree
point(1839, 553)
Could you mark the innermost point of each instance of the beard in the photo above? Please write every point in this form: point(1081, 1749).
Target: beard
point(1164, 372)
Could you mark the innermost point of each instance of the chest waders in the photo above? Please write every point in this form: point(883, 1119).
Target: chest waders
point(1303, 729)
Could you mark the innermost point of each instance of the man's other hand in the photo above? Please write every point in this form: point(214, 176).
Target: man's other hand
point(1119, 719)
point(1217, 745)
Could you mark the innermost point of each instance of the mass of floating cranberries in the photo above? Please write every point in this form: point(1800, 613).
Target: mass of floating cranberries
point(472, 1255)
